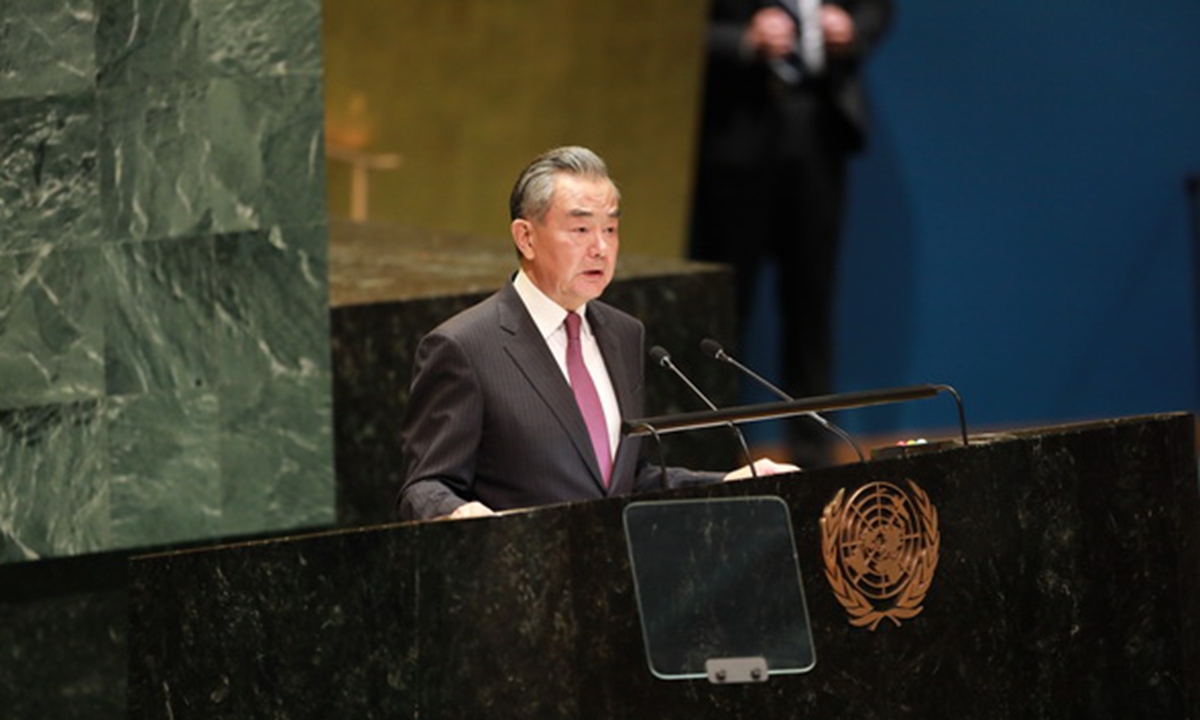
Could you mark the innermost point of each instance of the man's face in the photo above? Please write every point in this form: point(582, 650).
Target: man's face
point(571, 252)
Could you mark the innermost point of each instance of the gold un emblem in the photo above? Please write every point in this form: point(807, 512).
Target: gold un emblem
point(881, 549)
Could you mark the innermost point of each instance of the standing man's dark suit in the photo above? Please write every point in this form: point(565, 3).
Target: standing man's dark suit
point(502, 425)
point(770, 180)
point(496, 417)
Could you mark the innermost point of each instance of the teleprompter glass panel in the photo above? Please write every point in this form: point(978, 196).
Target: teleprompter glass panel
point(718, 578)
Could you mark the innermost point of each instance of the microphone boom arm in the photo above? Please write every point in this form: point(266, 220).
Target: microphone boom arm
point(662, 358)
point(664, 424)
point(713, 349)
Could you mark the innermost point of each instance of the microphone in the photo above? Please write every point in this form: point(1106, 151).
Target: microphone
point(662, 358)
point(713, 349)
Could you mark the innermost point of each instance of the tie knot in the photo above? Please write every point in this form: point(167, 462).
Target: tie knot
point(573, 321)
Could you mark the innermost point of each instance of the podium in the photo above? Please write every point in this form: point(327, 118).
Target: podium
point(1066, 584)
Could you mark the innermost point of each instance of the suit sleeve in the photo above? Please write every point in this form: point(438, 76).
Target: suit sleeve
point(650, 477)
point(442, 427)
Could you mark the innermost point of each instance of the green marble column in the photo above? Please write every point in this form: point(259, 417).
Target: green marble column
point(164, 340)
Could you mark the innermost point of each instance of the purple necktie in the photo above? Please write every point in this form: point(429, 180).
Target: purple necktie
point(587, 397)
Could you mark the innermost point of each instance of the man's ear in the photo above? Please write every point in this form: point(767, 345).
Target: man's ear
point(522, 235)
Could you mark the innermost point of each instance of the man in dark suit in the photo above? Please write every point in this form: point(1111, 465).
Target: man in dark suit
point(781, 117)
point(499, 416)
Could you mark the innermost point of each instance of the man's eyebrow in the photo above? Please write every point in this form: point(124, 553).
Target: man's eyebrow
point(580, 212)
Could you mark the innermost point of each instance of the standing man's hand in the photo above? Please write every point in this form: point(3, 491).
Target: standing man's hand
point(762, 468)
point(771, 34)
point(838, 28)
point(470, 510)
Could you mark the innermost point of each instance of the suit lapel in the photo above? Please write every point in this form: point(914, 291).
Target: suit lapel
point(622, 371)
point(533, 359)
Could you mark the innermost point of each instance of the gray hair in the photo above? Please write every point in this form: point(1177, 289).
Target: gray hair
point(534, 190)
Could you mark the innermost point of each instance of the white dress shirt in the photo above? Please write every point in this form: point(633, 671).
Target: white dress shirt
point(549, 317)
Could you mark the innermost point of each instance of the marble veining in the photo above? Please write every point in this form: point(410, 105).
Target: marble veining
point(276, 455)
point(163, 268)
point(262, 38)
point(51, 327)
point(54, 494)
point(142, 43)
point(164, 348)
point(46, 47)
point(165, 471)
point(169, 40)
point(212, 155)
point(264, 154)
point(49, 174)
point(160, 318)
point(154, 156)
point(271, 303)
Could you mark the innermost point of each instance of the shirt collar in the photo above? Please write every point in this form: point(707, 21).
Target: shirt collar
point(547, 314)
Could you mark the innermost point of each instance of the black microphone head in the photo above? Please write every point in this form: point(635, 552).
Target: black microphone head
point(659, 355)
point(712, 348)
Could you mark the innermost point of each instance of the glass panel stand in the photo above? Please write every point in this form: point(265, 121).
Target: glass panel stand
point(718, 589)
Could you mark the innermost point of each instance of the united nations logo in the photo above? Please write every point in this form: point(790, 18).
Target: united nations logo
point(881, 549)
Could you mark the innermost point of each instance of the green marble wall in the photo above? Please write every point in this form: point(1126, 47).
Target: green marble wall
point(164, 354)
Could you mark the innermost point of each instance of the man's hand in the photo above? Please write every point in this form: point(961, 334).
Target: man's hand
point(771, 34)
point(470, 510)
point(838, 28)
point(763, 467)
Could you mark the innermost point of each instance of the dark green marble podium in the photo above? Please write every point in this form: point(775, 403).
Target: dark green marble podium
point(1067, 587)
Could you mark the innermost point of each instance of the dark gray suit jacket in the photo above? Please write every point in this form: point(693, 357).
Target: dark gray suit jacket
point(491, 417)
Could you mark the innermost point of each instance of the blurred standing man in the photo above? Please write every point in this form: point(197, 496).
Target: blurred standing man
point(518, 400)
point(783, 110)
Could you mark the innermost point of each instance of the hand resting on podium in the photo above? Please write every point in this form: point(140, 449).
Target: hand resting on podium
point(472, 509)
point(762, 468)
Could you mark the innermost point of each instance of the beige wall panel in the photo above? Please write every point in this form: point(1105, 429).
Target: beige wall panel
point(467, 91)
